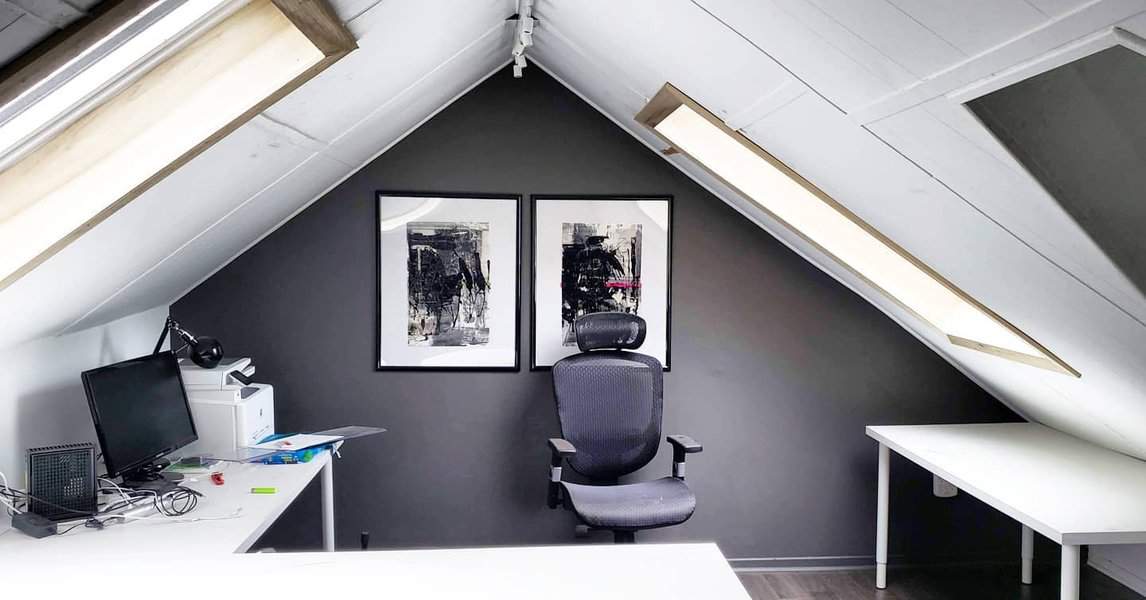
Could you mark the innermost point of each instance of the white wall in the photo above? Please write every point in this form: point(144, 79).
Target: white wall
point(1125, 563)
point(41, 399)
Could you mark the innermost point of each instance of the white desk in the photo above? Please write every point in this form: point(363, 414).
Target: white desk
point(191, 560)
point(1070, 491)
point(205, 537)
point(576, 572)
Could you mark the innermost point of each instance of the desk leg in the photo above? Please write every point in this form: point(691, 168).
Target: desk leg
point(881, 517)
point(1070, 565)
point(1028, 554)
point(328, 506)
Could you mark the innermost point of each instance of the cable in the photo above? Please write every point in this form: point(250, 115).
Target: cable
point(3, 496)
point(122, 493)
point(171, 504)
point(235, 514)
point(15, 494)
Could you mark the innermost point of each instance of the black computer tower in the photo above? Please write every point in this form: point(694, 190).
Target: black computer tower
point(62, 481)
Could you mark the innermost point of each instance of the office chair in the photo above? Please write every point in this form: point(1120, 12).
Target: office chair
point(609, 408)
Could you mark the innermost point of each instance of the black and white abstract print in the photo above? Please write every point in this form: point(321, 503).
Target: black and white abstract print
point(600, 271)
point(448, 283)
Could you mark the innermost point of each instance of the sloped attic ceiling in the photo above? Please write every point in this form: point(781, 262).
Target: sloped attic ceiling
point(862, 98)
point(411, 62)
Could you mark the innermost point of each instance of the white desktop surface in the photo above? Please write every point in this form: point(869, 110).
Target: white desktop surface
point(171, 538)
point(597, 571)
point(205, 559)
point(1069, 490)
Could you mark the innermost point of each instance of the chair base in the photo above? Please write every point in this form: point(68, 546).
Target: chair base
point(624, 537)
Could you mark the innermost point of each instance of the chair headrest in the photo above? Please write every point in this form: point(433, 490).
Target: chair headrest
point(611, 330)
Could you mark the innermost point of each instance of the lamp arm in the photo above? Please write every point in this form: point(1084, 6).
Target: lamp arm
point(173, 325)
point(162, 336)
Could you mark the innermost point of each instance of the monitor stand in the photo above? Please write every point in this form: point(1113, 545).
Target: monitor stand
point(151, 477)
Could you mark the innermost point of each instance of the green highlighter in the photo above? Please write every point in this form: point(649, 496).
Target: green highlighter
point(264, 490)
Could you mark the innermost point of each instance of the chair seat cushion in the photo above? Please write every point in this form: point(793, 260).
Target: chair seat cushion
point(644, 505)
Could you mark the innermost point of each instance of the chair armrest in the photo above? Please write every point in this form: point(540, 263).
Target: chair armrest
point(559, 451)
point(681, 445)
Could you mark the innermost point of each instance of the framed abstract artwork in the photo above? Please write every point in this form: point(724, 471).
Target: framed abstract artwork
point(448, 287)
point(600, 254)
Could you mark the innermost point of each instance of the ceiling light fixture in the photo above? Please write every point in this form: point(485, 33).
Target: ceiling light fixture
point(523, 36)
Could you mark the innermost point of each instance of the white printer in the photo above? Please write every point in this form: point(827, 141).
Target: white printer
point(229, 409)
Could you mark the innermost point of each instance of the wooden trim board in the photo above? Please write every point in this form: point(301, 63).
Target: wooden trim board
point(318, 22)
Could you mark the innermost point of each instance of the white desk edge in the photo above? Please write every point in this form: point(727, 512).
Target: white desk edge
point(1060, 537)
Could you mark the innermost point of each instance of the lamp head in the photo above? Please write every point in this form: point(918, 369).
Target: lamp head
point(205, 352)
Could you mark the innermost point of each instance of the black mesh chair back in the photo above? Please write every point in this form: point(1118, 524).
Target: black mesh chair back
point(609, 400)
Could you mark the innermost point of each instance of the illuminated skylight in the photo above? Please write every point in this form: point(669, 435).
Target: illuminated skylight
point(807, 210)
point(102, 67)
point(98, 137)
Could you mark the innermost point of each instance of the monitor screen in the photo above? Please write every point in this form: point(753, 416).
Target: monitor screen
point(140, 411)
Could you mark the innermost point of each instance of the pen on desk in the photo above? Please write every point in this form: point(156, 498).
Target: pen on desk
point(264, 490)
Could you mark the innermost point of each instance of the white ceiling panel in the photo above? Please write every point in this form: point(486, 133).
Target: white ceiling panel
point(1055, 8)
point(143, 233)
point(400, 43)
point(641, 41)
point(570, 64)
point(973, 25)
point(892, 32)
point(348, 10)
point(790, 32)
point(433, 91)
point(221, 242)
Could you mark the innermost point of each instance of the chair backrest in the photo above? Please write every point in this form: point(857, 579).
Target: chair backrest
point(609, 401)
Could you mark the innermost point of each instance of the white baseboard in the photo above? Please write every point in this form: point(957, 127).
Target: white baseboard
point(802, 563)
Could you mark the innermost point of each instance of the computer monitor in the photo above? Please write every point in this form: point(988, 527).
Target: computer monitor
point(141, 414)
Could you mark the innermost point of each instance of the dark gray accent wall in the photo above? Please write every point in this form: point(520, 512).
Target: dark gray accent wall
point(1080, 129)
point(776, 367)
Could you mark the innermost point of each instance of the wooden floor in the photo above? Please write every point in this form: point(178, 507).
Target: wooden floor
point(939, 583)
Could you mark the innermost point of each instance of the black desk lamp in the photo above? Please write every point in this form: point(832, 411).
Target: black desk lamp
point(203, 351)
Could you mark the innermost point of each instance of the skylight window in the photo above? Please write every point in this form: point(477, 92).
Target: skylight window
point(89, 136)
point(103, 66)
point(811, 213)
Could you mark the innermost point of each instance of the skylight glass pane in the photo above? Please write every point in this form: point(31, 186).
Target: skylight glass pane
point(841, 235)
point(120, 57)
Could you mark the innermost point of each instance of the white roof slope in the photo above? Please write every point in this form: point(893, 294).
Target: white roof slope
point(860, 98)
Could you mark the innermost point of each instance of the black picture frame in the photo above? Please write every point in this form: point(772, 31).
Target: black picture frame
point(519, 216)
point(533, 200)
